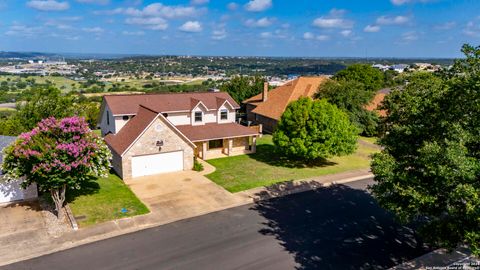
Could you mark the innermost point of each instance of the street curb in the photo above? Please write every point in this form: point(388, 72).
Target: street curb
point(294, 187)
point(70, 217)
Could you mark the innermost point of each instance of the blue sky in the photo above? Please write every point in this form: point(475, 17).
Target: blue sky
point(313, 28)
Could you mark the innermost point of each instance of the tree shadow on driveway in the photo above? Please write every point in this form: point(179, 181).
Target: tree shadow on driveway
point(338, 227)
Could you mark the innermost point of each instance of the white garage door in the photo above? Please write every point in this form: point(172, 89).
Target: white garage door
point(157, 163)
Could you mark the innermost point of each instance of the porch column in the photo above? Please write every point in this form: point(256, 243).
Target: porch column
point(204, 150)
point(254, 144)
point(230, 146)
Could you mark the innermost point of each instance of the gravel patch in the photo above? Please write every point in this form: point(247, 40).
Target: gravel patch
point(55, 227)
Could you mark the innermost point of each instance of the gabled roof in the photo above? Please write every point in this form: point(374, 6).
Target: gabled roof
point(171, 102)
point(280, 97)
point(131, 131)
point(134, 128)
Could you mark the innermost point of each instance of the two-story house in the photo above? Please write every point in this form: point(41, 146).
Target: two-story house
point(158, 133)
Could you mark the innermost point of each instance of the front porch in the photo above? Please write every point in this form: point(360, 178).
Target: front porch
point(218, 148)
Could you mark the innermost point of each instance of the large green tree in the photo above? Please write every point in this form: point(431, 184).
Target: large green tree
point(43, 101)
point(243, 87)
point(372, 78)
point(352, 97)
point(429, 169)
point(314, 130)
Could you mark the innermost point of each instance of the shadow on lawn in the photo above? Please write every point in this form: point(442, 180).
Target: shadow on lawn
point(88, 188)
point(267, 153)
point(338, 227)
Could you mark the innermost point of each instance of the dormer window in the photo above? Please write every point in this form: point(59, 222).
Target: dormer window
point(223, 114)
point(125, 117)
point(198, 116)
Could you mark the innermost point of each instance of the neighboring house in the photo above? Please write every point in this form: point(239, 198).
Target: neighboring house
point(11, 191)
point(267, 107)
point(158, 133)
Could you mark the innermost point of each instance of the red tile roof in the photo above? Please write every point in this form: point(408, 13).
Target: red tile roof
point(376, 102)
point(280, 97)
point(214, 131)
point(128, 104)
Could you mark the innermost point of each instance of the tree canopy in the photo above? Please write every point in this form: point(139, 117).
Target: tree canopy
point(314, 130)
point(42, 102)
point(57, 155)
point(243, 87)
point(372, 78)
point(352, 97)
point(429, 169)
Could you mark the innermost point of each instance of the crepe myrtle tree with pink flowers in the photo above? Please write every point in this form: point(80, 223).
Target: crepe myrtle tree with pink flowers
point(58, 154)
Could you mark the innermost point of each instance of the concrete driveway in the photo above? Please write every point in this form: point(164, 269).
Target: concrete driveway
point(20, 223)
point(182, 194)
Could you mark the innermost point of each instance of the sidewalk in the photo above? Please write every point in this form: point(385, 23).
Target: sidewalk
point(34, 247)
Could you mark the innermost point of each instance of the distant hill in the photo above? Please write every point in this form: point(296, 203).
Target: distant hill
point(26, 55)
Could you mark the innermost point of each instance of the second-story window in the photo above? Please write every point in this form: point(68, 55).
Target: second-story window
point(198, 116)
point(125, 117)
point(223, 114)
point(108, 118)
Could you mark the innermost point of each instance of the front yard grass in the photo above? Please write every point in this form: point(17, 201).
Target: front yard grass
point(266, 167)
point(103, 200)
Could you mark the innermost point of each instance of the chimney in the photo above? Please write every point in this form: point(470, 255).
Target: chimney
point(265, 92)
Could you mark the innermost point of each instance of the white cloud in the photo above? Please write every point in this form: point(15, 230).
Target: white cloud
point(232, 6)
point(133, 33)
point(266, 35)
point(157, 10)
point(346, 33)
point(258, 5)
point(199, 2)
point(219, 34)
point(308, 35)
point(191, 27)
point(95, 30)
point(263, 22)
point(445, 26)
point(371, 28)
point(311, 36)
point(409, 36)
point(154, 23)
point(393, 20)
point(23, 30)
point(322, 37)
point(333, 20)
point(472, 29)
point(402, 2)
point(279, 34)
point(48, 5)
point(96, 2)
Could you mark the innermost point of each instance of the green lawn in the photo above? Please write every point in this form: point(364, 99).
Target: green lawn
point(103, 200)
point(370, 139)
point(267, 167)
point(61, 82)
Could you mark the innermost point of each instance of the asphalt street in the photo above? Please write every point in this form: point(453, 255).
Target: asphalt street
point(339, 227)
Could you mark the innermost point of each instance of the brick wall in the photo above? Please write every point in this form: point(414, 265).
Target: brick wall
point(146, 145)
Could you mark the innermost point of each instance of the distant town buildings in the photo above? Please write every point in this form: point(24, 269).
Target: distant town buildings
point(40, 67)
point(400, 68)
